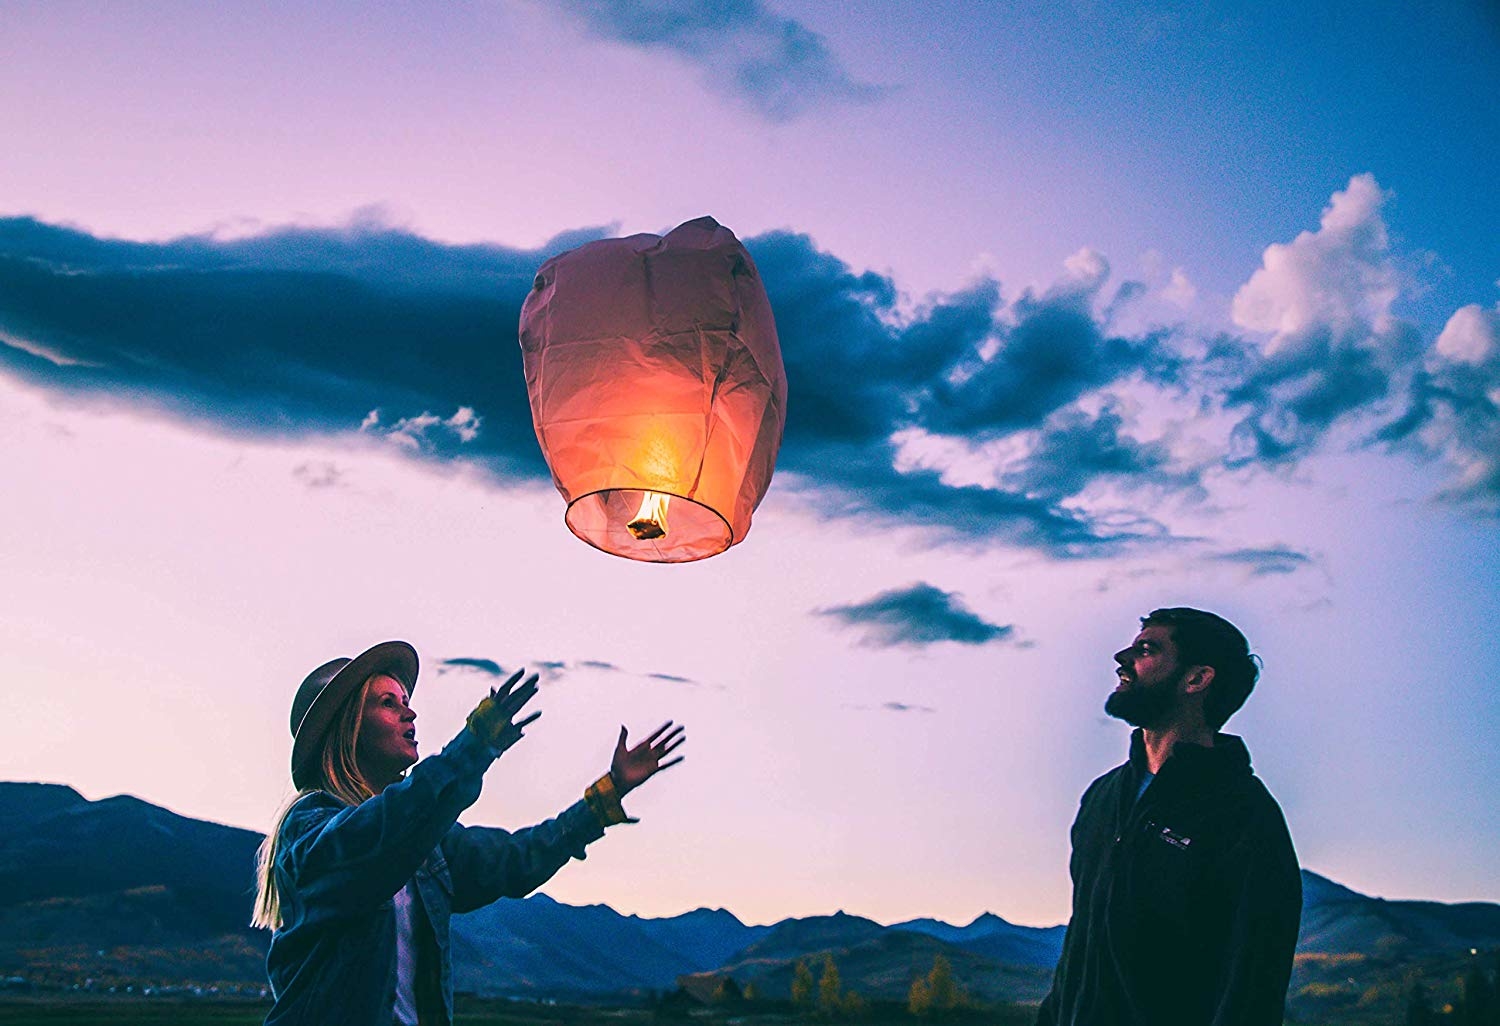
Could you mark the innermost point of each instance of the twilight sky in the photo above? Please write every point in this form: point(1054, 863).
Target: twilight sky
point(1085, 310)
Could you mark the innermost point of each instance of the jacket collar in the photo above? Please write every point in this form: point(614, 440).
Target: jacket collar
point(1227, 758)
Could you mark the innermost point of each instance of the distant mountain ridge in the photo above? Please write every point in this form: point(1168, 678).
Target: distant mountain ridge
point(120, 887)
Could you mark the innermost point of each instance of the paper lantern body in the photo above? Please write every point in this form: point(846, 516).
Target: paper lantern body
point(653, 367)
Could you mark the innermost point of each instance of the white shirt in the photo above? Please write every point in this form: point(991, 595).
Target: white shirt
point(406, 959)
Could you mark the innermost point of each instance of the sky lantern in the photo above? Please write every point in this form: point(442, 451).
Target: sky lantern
point(657, 390)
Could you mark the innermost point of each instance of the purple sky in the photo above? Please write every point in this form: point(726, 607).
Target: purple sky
point(1085, 311)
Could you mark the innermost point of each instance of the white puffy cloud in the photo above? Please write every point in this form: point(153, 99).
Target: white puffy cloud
point(426, 430)
point(1331, 347)
point(1338, 279)
point(1471, 336)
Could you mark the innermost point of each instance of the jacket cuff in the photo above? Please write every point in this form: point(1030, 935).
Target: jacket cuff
point(604, 800)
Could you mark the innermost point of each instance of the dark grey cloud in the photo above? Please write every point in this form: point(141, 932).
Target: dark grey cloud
point(369, 328)
point(308, 331)
point(895, 707)
point(298, 331)
point(1276, 559)
point(960, 366)
point(915, 616)
point(319, 475)
point(551, 669)
point(485, 666)
point(743, 49)
point(1074, 449)
point(1451, 409)
point(906, 707)
point(1291, 399)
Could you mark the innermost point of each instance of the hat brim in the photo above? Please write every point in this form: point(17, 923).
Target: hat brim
point(393, 658)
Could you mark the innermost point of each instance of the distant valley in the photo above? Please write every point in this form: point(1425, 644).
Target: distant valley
point(122, 890)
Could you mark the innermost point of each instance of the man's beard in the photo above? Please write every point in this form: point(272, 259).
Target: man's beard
point(1140, 706)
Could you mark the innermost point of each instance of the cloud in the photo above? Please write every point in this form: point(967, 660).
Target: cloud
point(486, 666)
point(1453, 408)
point(319, 475)
point(368, 329)
point(426, 431)
point(777, 66)
point(1276, 559)
point(895, 707)
point(551, 669)
point(295, 332)
point(916, 616)
point(963, 365)
point(970, 417)
point(1322, 304)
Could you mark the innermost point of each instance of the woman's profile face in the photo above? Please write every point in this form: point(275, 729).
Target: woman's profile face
point(387, 733)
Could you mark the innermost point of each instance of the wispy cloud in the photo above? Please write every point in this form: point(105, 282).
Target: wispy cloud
point(916, 616)
point(1276, 559)
point(744, 50)
point(552, 669)
point(894, 707)
point(319, 475)
point(485, 666)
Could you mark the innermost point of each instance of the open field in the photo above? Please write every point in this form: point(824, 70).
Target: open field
point(93, 1011)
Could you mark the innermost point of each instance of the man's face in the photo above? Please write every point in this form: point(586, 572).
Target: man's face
point(1147, 694)
point(387, 732)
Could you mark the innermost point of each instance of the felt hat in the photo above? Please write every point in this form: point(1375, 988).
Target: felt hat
point(325, 689)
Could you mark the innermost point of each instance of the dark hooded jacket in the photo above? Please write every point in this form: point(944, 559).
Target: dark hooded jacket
point(1186, 902)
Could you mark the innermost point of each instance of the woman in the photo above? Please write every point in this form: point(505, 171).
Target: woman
point(365, 866)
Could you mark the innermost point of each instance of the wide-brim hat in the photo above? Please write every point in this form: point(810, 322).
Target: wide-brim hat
point(325, 689)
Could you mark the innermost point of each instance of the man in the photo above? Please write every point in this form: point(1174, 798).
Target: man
point(1186, 891)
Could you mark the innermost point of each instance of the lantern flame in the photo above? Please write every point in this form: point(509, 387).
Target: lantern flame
point(650, 520)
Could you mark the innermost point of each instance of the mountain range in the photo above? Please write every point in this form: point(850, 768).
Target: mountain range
point(122, 889)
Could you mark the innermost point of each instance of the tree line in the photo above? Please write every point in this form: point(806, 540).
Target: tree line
point(1478, 1002)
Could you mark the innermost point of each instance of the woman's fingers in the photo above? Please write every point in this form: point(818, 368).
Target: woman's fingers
point(657, 732)
point(519, 697)
point(501, 693)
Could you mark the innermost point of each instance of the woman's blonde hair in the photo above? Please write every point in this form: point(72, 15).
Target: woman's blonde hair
point(338, 774)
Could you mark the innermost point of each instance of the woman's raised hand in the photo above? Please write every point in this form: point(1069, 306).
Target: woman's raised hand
point(493, 719)
point(632, 767)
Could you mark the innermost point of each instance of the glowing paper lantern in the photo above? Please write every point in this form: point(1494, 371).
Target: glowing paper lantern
point(657, 390)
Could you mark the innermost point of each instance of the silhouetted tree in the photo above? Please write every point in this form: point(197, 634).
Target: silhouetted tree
point(802, 984)
point(1478, 1005)
point(1419, 1007)
point(828, 987)
point(852, 1005)
point(919, 998)
point(945, 995)
point(750, 993)
point(727, 991)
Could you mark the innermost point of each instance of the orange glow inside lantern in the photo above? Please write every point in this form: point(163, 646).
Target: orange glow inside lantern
point(657, 389)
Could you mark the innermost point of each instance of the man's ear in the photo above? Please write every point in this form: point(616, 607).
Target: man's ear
point(1197, 680)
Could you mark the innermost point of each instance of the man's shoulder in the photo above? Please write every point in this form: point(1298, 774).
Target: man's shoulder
point(1262, 808)
point(1105, 784)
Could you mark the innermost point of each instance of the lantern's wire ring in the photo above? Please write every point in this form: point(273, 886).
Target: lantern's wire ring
point(728, 532)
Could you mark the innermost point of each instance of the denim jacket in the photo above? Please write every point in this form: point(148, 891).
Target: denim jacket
point(333, 960)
